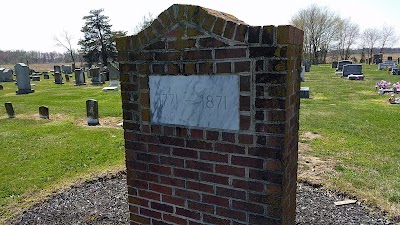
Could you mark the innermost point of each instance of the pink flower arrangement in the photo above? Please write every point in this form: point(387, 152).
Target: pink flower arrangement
point(397, 85)
point(383, 84)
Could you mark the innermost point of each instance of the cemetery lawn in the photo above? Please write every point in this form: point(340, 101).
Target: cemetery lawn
point(358, 130)
point(38, 157)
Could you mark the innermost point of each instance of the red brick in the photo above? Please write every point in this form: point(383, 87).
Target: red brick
point(184, 152)
point(230, 53)
point(215, 200)
point(197, 134)
point(160, 169)
point(229, 29)
point(254, 34)
point(200, 186)
point(266, 152)
point(164, 150)
point(247, 161)
point(174, 219)
point(262, 220)
point(156, 129)
point(172, 181)
point(248, 185)
point(215, 157)
point(212, 135)
point(214, 178)
point(150, 213)
point(228, 137)
point(196, 55)
point(228, 213)
point(261, 140)
point(149, 195)
point(168, 131)
point(229, 148)
point(188, 213)
point(242, 66)
point(139, 219)
point(199, 144)
point(160, 189)
point(173, 69)
point(189, 69)
point(186, 173)
point(172, 141)
point(138, 183)
point(244, 104)
point(231, 193)
point(138, 201)
point(245, 122)
point(224, 67)
point(206, 68)
point(167, 56)
point(211, 42)
point(214, 220)
point(181, 132)
point(148, 158)
point(173, 200)
point(197, 165)
point(198, 206)
point(266, 176)
point(134, 165)
point(172, 161)
point(245, 139)
point(241, 31)
point(245, 83)
point(248, 207)
point(272, 200)
point(230, 170)
point(256, 52)
point(162, 207)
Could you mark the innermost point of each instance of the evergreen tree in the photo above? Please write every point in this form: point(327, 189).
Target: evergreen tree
point(98, 39)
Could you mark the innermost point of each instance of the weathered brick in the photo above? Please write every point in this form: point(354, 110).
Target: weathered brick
point(242, 66)
point(162, 207)
point(229, 213)
point(218, 26)
point(196, 55)
point(214, 178)
point(200, 186)
point(229, 29)
point(215, 200)
point(254, 34)
point(248, 185)
point(224, 67)
point(241, 31)
point(209, 42)
point(268, 35)
point(230, 170)
point(206, 68)
point(184, 173)
point(188, 213)
point(150, 213)
point(230, 53)
point(215, 157)
point(198, 165)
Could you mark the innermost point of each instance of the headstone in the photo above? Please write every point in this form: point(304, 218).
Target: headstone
point(307, 65)
point(387, 64)
point(334, 64)
point(304, 92)
point(92, 111)
point(57, 68)
point(79, 77)
point(46, 75)
point(23, 80)
point(66, 69)
point(355, 77)
point(96, 76)
point(341, 63)
point(377, 58)
point(6, 75)
point(58, 78)
point(44, 112)
point(89, 75)
point(9, 109)
point(204, 119)
point(355, 69)
point(389, 58)
point(1, 87)
point(73, 67)
point(67, 77)
point(303, 73)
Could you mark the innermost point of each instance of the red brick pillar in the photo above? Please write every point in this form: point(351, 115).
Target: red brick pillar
point(185, 174)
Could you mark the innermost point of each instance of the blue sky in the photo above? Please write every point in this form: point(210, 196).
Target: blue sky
point(32, 25)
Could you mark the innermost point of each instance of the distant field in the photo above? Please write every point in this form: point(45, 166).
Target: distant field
point(38, 67)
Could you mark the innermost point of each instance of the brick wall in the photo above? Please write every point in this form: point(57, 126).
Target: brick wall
point(190, 175)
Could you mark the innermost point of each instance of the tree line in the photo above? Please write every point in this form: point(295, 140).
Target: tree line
point(325, 32)
point(17, 56)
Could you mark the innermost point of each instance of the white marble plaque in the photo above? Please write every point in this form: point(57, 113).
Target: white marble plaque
point(198, 101)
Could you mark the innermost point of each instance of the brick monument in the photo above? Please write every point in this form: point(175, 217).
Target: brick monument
point(211, 111)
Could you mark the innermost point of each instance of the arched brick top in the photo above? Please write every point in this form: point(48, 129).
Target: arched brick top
point(223, 26)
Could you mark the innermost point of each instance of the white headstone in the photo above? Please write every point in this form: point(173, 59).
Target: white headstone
point(23, 80)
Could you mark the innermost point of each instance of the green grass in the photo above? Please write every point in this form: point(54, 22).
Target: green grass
point(360, 130)
point(39, 155)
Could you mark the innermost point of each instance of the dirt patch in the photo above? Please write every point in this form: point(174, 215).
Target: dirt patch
point(310, 168)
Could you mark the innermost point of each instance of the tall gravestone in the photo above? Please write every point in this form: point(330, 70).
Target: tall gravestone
point(211, 108)
point(58, 78)
point(23, 80)
point(9, 110)
point(92, 112)
point(79, 77)
point(57, 68)
point(96, 76)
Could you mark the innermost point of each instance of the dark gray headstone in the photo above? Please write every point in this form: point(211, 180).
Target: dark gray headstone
point(9, 109)
point(1, 87)
point(355, 69)
point(79, 77)
point(341, 63)
point(307, 65)
point(58, 78)
point(96, 76)
point(44, 112)
point(35, 78)
point(6, 75)
point(46, 75)
point(334, 64)
point(92, 111)
point(57, 68)
point(304, 92)
point(389, 58)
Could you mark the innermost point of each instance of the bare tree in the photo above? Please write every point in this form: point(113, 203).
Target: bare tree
point(65, 42)
point(146, 22)
point(346, 37)
point(319, 25)
point(370, 37)
point(388, 37)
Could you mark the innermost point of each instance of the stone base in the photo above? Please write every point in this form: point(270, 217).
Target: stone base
point(97, 84)
point(35, 78)
point(59, 82)
point(24, 91)
point(304, 92)
point(109, 89)
point(355, 77)
point(79, 84)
